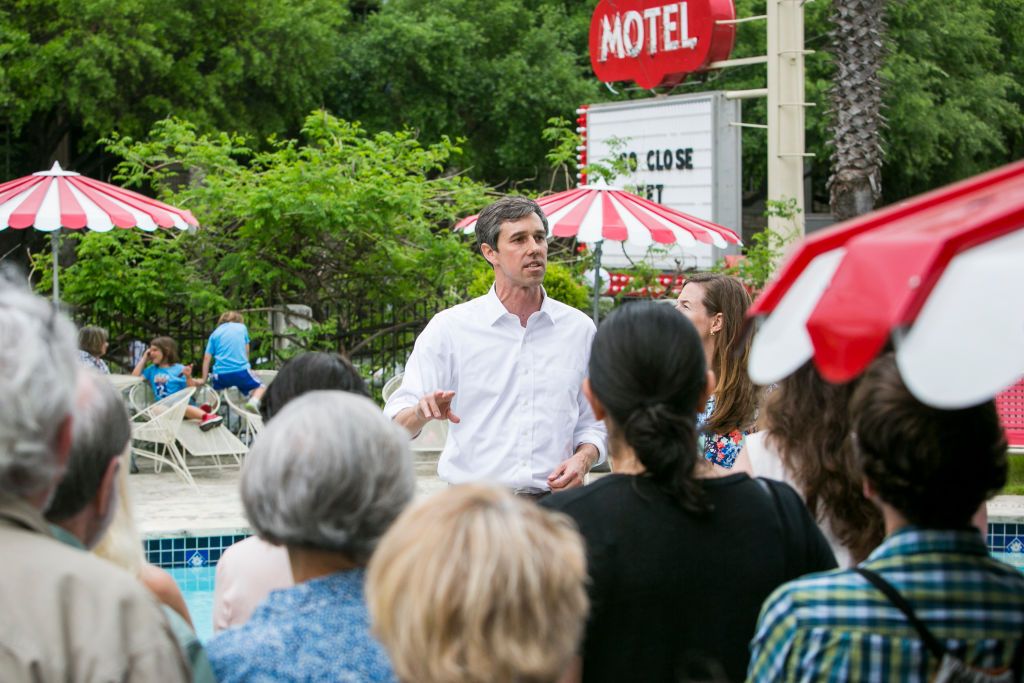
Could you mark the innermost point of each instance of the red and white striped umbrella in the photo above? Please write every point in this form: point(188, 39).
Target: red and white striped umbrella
point(592, 213)
point(939, 276)
point(55, 199)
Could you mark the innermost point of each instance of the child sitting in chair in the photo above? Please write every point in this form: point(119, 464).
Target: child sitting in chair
point(167, 376)
point(228, 350)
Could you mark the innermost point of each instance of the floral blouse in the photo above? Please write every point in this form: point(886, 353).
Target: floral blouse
point(720, 449)
point(91, 361)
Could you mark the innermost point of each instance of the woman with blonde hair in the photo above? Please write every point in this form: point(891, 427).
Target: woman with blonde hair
point(717, 306)
point(473, 585)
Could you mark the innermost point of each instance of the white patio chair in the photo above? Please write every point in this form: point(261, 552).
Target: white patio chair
point(252, 422)
point(214, 444)
point(140, 396)
point(265, 376)
point(155, 431)
point(434, 434)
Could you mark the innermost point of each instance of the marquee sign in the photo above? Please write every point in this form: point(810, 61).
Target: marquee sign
point(656, 43)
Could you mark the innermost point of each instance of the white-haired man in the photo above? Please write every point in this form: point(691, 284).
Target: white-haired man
point(67, 615)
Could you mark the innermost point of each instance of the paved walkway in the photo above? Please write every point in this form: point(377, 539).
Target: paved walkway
point(166, 506)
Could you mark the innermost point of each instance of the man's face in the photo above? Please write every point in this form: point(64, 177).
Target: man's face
point(522, 255)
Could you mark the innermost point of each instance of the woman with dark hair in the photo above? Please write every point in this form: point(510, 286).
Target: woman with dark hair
point(717, 305)
point(814, 456)
point(312, 371)
point(679, 560)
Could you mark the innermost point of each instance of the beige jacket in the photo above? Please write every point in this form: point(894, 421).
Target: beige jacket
point(66, 615)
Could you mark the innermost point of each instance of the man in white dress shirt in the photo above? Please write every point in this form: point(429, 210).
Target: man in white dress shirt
point(506, 370)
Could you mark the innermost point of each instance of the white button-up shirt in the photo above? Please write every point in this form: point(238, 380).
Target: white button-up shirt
point(518, 390)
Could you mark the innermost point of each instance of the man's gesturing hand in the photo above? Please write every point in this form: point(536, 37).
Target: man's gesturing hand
point(572, 471)
point(437, 406)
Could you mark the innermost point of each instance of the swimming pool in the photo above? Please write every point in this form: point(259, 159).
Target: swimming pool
point(196, 585)
point(191, 561)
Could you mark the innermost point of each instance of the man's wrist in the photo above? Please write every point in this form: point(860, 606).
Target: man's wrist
point(590, 454)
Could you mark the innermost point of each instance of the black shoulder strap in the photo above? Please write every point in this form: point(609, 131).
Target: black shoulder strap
point(766, 484)
point(933, 645)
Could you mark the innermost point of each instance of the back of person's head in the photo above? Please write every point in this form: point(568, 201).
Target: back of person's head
point(230, 317)
point(504, 210)
point(647, 370)
point(935, 467)
point(38, 370)
point(91, 339)
point(100, 431)
point(168, 347)
point(313, 371)
point(473, 585)
point(735, 395)
point(808, 425)
point(328, 472)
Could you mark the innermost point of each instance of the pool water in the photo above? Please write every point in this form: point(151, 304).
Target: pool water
point(196, 585)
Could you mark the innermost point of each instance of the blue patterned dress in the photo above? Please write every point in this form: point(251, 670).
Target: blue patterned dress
point(318, 630)
point(720, 449)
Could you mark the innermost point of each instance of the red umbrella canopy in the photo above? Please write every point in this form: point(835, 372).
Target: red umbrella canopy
point(597, 212)
point(54, 199)
point(940, 275)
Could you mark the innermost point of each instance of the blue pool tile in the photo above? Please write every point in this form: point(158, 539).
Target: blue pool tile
point(197, 558)
point(166, 558)
point(165, 544)
point(214, 555)
point(190, 543)
point(204, 542)
point(1015, 545)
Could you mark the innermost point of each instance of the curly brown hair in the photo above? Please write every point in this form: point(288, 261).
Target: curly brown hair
point(808, 424)
point(936, 467)
point(736, 397)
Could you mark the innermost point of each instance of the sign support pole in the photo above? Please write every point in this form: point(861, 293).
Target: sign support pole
point(786, 111)
point(597, 280)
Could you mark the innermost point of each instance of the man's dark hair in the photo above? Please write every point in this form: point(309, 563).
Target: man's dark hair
point(488, 223)
point(100, 430)
point(313, 371)
point(936, 467)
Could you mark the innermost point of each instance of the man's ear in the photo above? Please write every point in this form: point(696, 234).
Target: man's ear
point(709, 388)
point(106, 496)
point(62, 443)
point(595, 405)
point(490, 253)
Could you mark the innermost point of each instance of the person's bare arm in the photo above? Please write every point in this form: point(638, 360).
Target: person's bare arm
point(207, 359)
point(433, 406)
point(140, 366)
point(160, 584)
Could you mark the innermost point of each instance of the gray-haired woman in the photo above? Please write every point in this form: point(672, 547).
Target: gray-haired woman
point(92, 346)
point(325, 479)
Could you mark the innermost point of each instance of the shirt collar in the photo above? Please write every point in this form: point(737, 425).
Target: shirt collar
point(495, 310)
point(913, 540)
point(66, 537)
point(19, 512)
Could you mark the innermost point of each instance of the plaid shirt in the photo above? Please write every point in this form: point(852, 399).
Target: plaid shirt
point(835, 626)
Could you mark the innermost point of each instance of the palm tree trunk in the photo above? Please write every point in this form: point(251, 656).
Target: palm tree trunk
point(858, 42)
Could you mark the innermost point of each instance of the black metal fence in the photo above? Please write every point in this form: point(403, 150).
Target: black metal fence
point(376, 337)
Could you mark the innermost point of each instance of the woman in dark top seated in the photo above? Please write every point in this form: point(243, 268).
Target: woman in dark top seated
point(679, 565)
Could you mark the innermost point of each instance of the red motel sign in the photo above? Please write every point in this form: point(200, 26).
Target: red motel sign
point(653, 42)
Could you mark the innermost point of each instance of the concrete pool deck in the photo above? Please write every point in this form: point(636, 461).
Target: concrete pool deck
point(165, 506)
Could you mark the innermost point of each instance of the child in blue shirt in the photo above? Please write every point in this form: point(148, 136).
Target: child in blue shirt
point(167, 376)
point(228, 350)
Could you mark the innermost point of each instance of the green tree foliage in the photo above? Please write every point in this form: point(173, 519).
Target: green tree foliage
point(83, 68)
point(342, 216)
point(493, 72)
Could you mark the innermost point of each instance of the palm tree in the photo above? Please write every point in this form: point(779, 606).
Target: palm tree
point(858, 41)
